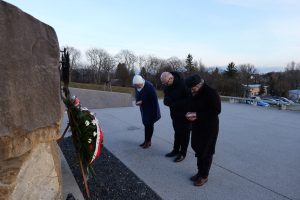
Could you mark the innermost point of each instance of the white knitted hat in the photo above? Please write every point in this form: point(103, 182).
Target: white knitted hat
point(137, 79)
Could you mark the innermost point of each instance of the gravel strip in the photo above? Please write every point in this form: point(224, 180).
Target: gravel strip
point(113, 179)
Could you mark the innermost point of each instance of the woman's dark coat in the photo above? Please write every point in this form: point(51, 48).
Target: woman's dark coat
point(205, 128)
point(176, 97)
point(149, 109)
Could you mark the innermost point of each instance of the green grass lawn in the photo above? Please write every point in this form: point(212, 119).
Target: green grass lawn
point(101, 87)
point(224, 99)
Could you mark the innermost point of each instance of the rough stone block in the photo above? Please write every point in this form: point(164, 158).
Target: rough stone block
point(30, 107)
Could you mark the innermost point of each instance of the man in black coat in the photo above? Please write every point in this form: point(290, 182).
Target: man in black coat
point(176, 98)
point(205, 106)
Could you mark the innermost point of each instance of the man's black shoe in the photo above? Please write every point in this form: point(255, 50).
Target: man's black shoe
point(172, 154)
point(200, 181)
point(146, 145)
point(195, 177)
point(179, 158)
point(141, 145)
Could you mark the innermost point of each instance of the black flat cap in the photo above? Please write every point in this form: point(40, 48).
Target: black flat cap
point(192, 81)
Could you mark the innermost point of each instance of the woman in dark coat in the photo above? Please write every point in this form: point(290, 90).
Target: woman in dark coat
point(205, 106)
point(146, 98)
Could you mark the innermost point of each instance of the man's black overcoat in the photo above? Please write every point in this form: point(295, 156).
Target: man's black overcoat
point(205, 129)
point(176, 97)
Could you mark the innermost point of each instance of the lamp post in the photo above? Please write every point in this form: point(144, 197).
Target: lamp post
point(247, 87)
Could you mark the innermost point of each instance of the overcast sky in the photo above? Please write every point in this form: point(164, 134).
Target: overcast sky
point(265, 33)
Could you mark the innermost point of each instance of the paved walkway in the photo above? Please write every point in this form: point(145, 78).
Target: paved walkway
point(69, 183)
point(257, 154)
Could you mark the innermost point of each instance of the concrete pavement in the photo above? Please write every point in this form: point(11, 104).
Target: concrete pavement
point(257, 154)
point(101, 99)
point(69, 183)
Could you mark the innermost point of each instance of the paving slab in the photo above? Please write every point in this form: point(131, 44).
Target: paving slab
point(257, 154)
point(101, 99)
point(69, 183)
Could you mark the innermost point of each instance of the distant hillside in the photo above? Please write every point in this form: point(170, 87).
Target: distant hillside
point(261, 70)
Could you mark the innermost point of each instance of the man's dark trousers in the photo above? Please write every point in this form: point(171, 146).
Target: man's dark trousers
point(204, 164)
point(182, 134)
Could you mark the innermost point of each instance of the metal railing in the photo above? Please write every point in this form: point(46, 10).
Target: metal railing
point(280, 105)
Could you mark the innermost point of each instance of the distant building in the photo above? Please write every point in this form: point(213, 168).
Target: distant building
point(254, 89)
point(294, 94)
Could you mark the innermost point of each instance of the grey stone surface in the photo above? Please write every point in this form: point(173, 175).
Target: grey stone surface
point(101, 99)
point(30, 107)
point(38, 178)
point(29, 75)
point(257, 154)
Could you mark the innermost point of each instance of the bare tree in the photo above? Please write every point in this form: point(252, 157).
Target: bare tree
point(175, 63)
point(127, 57)
point(200, 66)
point(247, 72)
point(152, 69)
point(292, 73)
point(152, 64)
point(109, 64)
point(98, 59)
point(88, 74)
point(143, 72)
point(92, 57)
point(141, 60)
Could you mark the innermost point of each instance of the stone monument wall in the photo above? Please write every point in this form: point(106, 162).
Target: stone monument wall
point(30, 107)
